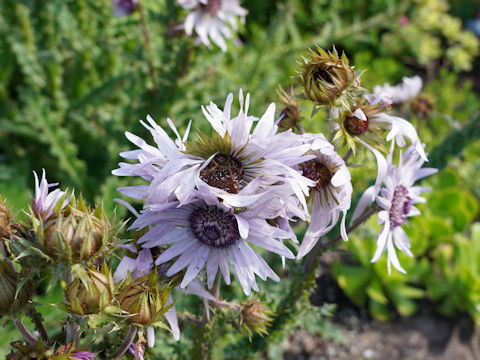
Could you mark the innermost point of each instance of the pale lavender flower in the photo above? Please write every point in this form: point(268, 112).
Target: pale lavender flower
point(212, 19)
point(124, 7)
point(235, 164)
point(330, 195)
point(396, 199)
point(400, 93)
point(137, 351)
point(211, 235)
point(44, 202)
point(82, 355)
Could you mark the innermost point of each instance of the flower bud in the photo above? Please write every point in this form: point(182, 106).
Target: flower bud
point(75, 233)
point(290, 114)
point(5, 221)
point(255, 317)
point(143, 299)
point(422, 105)
point(9, 282)
point(326, 77)
point(90, 292)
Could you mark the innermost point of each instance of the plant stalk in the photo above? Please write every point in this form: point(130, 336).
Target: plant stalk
point(27, 335)
point(129, 337)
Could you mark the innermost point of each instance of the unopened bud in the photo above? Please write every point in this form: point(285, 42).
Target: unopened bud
point(422, 105)
point(143, 299)
point(10, 301)
point(5, 221)
point(76, 233)
point(326, 76)
point(290, 114)
point(255, 317)
point(90, 292)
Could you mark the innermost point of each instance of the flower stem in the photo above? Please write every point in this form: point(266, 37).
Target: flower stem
point(129, 337)
point(147, 45)
point(27, 335)
point(35, 316)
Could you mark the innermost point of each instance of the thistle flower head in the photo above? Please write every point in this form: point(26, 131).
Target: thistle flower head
point(212, 20)
point(45, 202)
point(208, 234)
point(74, 234)
point(91, 291)
point(255, 317)
point(143, 299)
point(331, 193)
point(235, 163)
point(396, 200)
point(290, 113)
point(326, 77)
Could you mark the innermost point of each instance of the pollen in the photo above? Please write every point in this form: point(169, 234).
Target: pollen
point(224, 172)
point(401, 206)
point(318, 172)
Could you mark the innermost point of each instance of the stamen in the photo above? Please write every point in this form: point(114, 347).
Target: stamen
point(212, 6)
point(401, 206)
point(318, 172)
point(214, 227)
point(224, 172)
point(355, 126)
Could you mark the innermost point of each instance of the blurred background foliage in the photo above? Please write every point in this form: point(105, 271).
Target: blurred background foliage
point(73, 79)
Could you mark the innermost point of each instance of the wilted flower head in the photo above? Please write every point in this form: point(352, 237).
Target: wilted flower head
point(212, 19)
point(124, 7)
point(255, 317)
point(213, 236)
point(407, 90)
point(44, 202)
point(330, 195)
point(326, 77)
point(235, 164)
point(397, 200)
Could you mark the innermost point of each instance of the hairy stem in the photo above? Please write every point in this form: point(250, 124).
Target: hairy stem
point(27, 335)
point(129, 337)
point(35, 316)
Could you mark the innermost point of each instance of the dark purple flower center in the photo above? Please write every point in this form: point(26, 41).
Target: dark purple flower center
point(355, 126)
point(224, 172)
point(318, 172)
point(214, 227)
point(401, 206)
point(212, 6)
